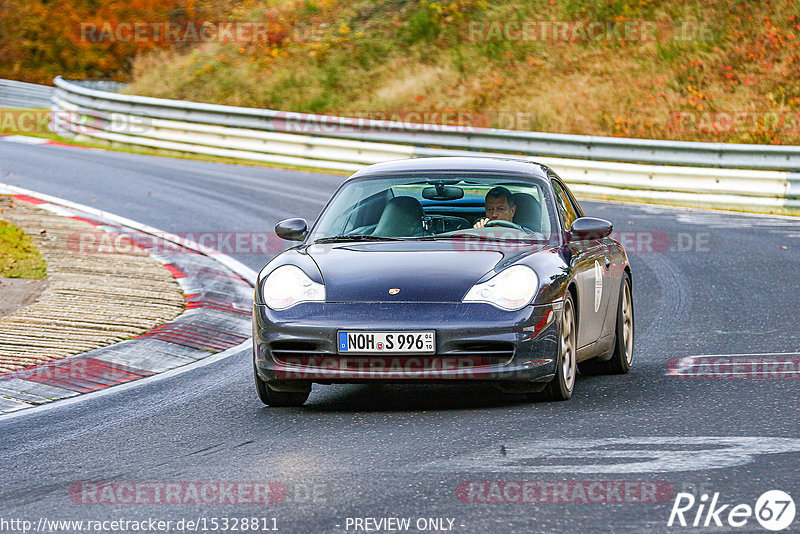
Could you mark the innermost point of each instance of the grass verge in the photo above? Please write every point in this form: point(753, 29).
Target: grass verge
point(19, 256)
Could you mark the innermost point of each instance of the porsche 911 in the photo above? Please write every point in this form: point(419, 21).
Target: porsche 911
point(444, 270)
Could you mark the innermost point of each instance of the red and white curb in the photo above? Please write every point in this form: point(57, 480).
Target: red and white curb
point(29, 140)
point(219, 294)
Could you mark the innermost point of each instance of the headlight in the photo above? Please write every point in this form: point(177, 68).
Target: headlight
point(289, 285)
point(511, 289)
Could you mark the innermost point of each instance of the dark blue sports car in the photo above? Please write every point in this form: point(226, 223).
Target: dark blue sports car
point(444, 269)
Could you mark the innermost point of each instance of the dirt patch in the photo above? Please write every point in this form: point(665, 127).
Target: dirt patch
point(16, 293)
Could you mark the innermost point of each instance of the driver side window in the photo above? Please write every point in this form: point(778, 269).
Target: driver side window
point(565, 208)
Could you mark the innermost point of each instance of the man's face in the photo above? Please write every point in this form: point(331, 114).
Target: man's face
point(498, 208)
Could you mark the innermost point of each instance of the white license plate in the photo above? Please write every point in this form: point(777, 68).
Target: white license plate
point(383, 342)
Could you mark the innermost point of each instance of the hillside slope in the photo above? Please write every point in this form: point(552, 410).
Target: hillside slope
point(711, 70)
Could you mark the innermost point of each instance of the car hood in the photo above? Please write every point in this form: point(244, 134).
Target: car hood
point(423, 272)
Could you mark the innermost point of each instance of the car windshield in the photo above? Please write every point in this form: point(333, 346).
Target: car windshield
point(435, 206)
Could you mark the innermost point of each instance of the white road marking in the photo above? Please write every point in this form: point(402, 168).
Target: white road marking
point(617, 455)
point(24, 139)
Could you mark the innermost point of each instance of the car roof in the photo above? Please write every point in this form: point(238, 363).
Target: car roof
point(454, 164)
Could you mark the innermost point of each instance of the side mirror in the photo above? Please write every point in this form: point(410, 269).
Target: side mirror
point(588, 228)
point(292, 229)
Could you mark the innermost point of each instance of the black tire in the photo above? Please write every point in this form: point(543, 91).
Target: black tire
point(622, 353)
point(561, 386)
point(278, 399)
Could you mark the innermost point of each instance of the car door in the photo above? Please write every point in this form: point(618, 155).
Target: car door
point(587, 262)
point(612, 270)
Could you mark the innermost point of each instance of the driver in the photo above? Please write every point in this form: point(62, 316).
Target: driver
point(500, 205)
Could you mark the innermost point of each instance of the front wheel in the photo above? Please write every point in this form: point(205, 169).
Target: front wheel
point(622, 355)
point(271, 397)
point(560, 388)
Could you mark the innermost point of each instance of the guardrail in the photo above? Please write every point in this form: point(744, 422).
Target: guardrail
point(22, 95)
point(723, 175)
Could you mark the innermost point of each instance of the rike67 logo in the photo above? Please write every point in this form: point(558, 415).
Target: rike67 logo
point(774, 510)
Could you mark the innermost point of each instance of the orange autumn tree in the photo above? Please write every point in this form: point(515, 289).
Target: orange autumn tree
point(40, 39)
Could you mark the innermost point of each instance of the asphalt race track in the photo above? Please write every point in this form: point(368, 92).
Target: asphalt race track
point(704, 284)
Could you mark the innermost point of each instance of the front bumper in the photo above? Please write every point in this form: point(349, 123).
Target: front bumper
point(473, 342)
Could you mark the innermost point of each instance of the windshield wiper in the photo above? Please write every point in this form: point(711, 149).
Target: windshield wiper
point(477, 237)
point(354, 237)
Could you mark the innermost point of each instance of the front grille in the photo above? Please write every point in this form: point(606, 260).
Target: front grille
point(466, 354)
point(496, 352)
point(290, 346)
point(294, 352)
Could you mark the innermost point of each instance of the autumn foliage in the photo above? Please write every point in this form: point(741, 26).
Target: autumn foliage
point(739, 81)
point(40, 39)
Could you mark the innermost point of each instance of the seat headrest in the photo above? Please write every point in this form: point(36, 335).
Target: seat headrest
point(529, 212)
point(401, 217)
